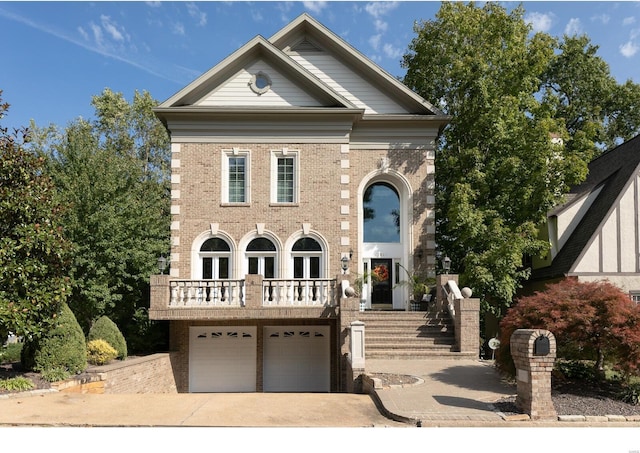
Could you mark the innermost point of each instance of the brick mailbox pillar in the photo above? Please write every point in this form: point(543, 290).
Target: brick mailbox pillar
point(534, 353)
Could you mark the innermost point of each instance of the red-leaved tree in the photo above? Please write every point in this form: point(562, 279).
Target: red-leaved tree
point(590, 320)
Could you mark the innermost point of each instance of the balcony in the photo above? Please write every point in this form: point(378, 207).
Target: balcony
point(250, 298)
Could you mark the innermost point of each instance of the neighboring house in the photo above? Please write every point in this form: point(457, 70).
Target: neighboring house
point(292, 159)
point(595, 234)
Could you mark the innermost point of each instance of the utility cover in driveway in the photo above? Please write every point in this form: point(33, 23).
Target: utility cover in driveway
point(222, 359)
point(296, 359)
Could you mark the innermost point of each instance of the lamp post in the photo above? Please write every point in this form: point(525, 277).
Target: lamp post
point(446, 264)
point(162, 264)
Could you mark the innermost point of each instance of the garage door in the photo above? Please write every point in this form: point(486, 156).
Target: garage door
point(222, 359)
point(296, 359)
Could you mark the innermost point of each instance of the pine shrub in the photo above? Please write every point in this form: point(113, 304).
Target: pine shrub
point(64, 346)
point(107, 330)
point(99, 352)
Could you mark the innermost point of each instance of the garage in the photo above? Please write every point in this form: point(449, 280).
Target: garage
point(222, 359)
point(297, 359)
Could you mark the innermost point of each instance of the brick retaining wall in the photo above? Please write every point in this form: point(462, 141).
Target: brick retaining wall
point(148, 374)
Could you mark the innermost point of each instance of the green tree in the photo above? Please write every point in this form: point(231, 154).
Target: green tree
point(498, 170)
point(113, 175)
point(590, 320)
point(33, 252)
point(500, 167)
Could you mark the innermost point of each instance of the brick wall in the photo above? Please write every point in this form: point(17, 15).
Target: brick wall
point(148, 374)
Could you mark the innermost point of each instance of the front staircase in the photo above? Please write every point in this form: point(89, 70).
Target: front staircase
point(409, 335)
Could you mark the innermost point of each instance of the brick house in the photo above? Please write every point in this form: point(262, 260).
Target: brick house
point(298, 167)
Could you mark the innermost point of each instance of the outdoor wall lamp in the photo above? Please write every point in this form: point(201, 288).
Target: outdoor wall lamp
point(446, 264)
point(345, 264)
point(162, 264)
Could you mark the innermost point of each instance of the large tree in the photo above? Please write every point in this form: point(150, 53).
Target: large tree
point(519, 138)
point(33, 252)
point(112, 173)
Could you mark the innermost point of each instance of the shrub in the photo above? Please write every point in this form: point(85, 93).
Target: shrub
point(594, 321)
point(631, 394)
point(10, 353)
point(55, 374)
point(19, 384)
point(99, 352)
point(576, 370)
point(107, 330)
point(64, 347)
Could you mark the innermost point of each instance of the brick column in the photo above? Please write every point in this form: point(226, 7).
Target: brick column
point(467, 325)
point(160, 293)
point(533, 372)
point(253, 290)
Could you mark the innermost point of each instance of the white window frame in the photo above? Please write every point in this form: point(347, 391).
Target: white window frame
point(290, 154)
point(635, 296)
point(233, 153)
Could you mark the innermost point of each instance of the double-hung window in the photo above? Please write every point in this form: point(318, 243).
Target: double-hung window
point(235, 177)
point(284, 177)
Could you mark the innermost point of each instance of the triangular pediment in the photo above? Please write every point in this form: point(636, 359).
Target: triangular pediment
point(309, 67)
point(229, 83)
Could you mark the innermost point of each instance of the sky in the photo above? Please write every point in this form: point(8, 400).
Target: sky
point(57, 55)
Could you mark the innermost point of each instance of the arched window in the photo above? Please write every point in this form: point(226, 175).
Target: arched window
point(215, 255)
point(261, 257)
point(307, 255)
point(381, 205)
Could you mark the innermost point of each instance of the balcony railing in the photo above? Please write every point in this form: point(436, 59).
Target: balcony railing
point(207, 293)
point(274, 293)
point(296, 292)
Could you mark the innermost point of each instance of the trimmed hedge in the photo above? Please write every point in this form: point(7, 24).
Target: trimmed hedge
point(107, 330)
point(99, 352)
point(64, 346)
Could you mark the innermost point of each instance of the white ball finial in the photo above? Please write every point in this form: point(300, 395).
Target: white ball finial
point(466, 292)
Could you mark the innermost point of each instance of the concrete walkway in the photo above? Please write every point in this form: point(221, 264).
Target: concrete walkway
point(450, 393)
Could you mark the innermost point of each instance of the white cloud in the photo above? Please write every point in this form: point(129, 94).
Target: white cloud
point(154, 4)
point(374, 41)
point(83, 33)
point(111, 28)
point(392, 52)
point(177, 29)
point(629, 49)
point(315, 6)
point(377, 9)
point(573, 27)
point(604, 18)
point(629, 20)
point(97, 34)
point(199, 16)
point(380, 25)
point(256, 15)
point(541, 22)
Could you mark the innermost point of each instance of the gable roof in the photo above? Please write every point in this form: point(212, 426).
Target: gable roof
point(612, 173)
point(258, 47)
point(304, 34)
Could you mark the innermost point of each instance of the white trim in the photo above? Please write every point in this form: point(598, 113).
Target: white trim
point(226, 154)
point(196, 261)
point(289, 154)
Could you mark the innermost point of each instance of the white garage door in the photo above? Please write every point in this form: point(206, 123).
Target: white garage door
point(222, 359)
point(296, 359)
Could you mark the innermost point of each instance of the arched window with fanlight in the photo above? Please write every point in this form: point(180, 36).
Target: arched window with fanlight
point(215, 257)
point(261, 256)
point(307, 258)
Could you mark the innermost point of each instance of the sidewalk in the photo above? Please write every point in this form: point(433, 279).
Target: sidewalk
point(451, 393)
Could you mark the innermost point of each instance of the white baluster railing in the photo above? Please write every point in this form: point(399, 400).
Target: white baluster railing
point(296, 292)
point(207, 293)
